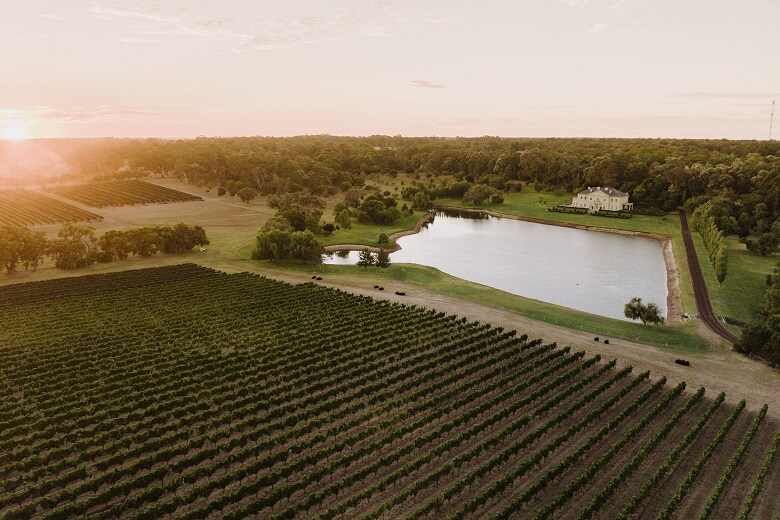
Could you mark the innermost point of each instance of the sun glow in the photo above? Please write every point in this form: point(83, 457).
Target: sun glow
point(14, 130)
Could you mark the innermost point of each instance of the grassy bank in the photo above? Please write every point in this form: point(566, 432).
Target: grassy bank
point(365, 234)
point(682, 338)
point(741, 295)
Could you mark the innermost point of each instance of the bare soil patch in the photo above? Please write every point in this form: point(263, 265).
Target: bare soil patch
point(663, 492)
point(595, 484)
point(733, 495)
point(633, 483)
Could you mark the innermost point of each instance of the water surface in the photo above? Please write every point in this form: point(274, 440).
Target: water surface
point(590, 271)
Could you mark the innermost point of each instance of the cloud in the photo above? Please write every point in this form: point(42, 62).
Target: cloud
point(613, 5)
point(175, 24)
point(421, 83)
point(125, 39)
point(723, 95)
point(283, 33)
point(612, 26)
point(77, 113)
point(463, 121)
point(373, 31)
point(246, 33)
point(50, 16)
point(618, 4)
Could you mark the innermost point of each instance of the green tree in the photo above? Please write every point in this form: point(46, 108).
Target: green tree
point(762, 337)
point(145, 241)
point(765, 245)
point(633, 309)
point(752, 338)
point(11, 244)
point(35, 246)
point(421, 201)
point(343, 219)
point(647, 313)
point(383, 258)
point(116, 243)
point(302, 210)
point(305, 247)
point(272, 244)
point(366, 258)
point(382, 240)
point(377, 210)
point(182, 238)
point(482, 194)
point(76, 246)
point(20, 244)
point(651, 314)
point(247, 194)
point(352, 197)
point(771, 350)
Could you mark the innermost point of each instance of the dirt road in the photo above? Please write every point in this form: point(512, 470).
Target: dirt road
point(703, 304)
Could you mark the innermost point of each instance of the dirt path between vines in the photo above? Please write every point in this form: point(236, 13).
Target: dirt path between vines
point(720, 369)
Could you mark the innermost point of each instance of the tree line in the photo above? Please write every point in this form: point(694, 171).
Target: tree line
point(713, 239)
point(659, 173)
point(78, 246)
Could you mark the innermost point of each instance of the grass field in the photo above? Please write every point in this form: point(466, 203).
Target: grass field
point(188, 393)
point(741, 295)
point(367, 234)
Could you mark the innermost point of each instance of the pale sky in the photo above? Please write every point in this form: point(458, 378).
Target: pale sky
point(176, 68)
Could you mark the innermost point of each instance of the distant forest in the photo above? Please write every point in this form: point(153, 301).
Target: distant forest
point(739, 179)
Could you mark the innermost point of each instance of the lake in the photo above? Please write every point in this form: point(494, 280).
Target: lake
point(591, 271)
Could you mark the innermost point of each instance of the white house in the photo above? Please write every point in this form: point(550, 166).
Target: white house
point(601, 197)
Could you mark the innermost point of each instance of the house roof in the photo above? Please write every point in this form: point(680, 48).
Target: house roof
point(612, 192)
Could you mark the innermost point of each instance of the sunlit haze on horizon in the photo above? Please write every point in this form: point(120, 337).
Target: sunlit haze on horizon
point(600, 68)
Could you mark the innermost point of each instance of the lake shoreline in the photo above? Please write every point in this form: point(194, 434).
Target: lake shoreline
point(421, 222)
point(674, 305)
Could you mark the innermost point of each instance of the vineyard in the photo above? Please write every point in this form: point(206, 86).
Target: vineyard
point(122, 193)
point(184, 392)
point(27, 208)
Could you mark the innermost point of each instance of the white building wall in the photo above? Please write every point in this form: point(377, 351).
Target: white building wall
point(599, 200)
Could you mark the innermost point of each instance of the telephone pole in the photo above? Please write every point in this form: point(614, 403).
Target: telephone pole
point(771, 119)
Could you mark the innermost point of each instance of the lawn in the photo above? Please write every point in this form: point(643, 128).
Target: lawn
point(367, 234)
point(741, 295)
